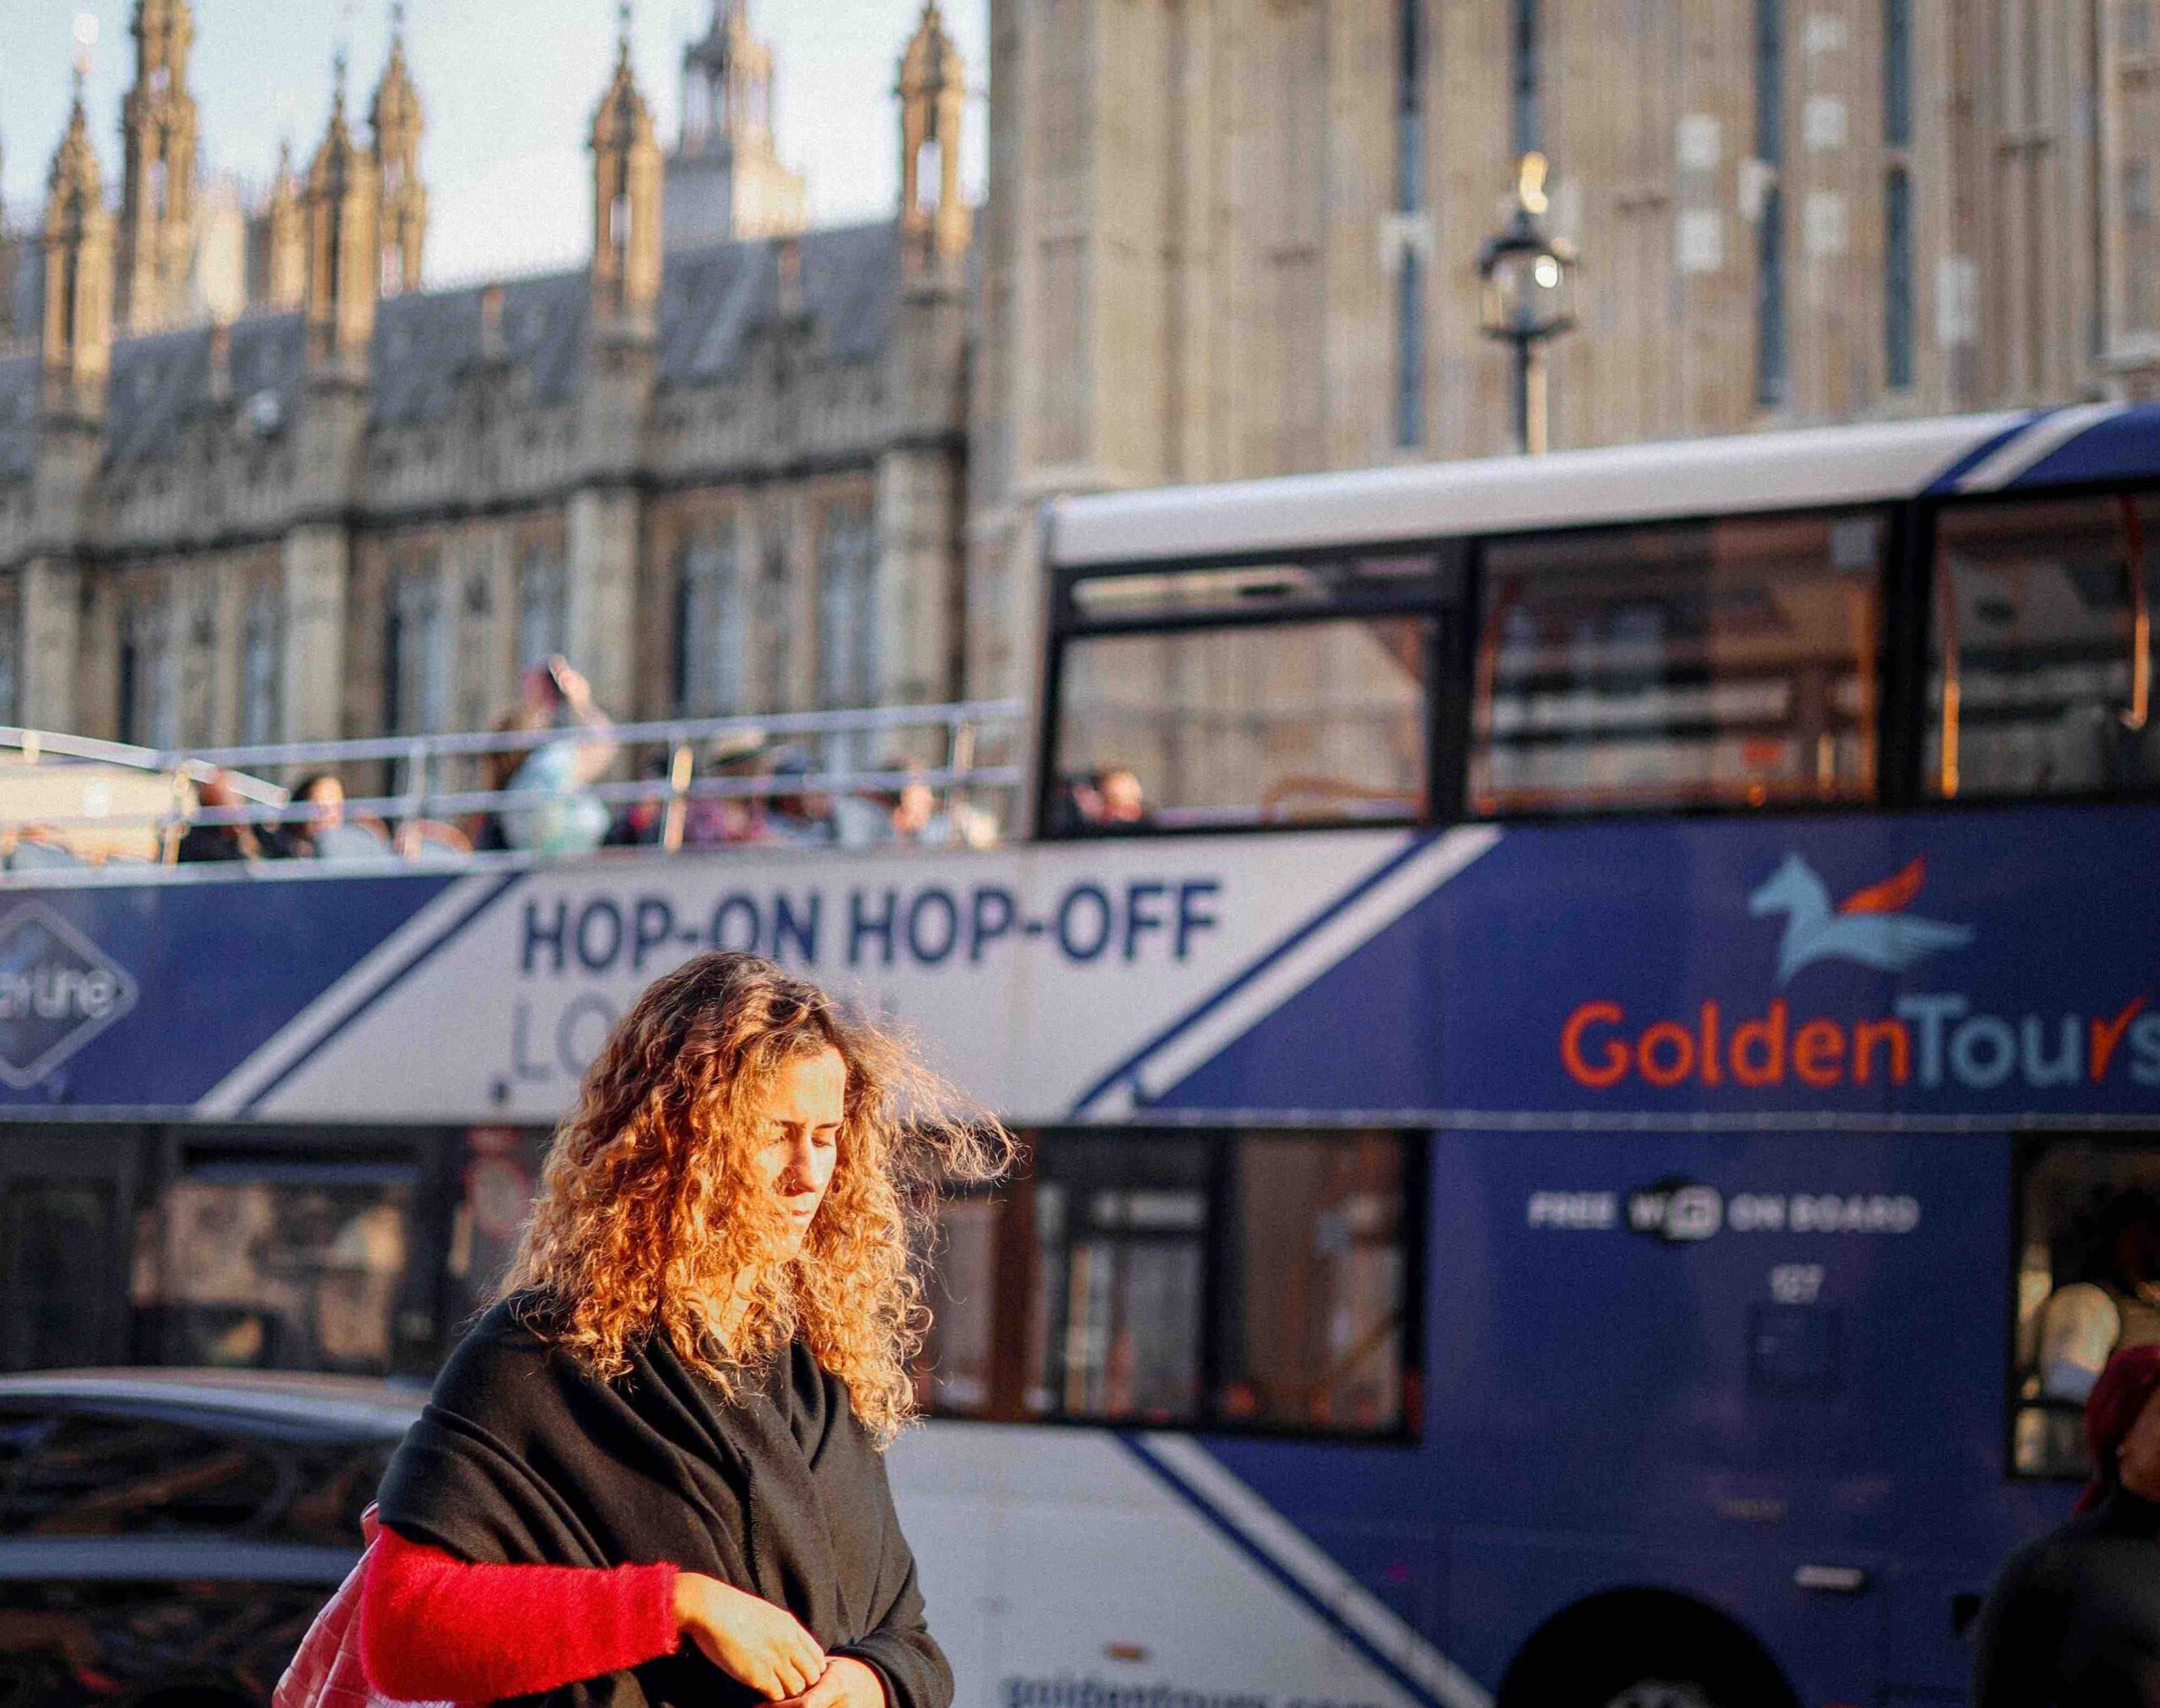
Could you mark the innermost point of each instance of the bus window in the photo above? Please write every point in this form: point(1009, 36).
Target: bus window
point(1254, 1281)
point(1729, 663)
point(500, 1169)
point(1315, 1336)
point(1122, 1224)
point(56, 1251)
point(956, 1374)
point(1264, 694)
point(264, 1267)
point(2042, 670)
point(2088, 1283)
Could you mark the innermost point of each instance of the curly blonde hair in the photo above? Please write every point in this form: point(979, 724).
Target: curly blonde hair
point(650, 1216)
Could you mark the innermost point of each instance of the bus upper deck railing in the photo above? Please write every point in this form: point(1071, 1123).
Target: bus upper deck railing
point(764, 759)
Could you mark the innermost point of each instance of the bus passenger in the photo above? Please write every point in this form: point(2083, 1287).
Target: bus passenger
point(219, 842)
point(2074, 1620)
point(1124, 802)
point(563, 816)
point(1112, 798)
point(301, 837)
point(726, 820)
point(714, 1290)
point(2115, 1303)
point(797, 816)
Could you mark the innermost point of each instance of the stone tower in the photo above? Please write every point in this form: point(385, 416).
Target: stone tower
point(345, 252)
point(157, 198)
point(600, 523)
point(77, 340)
point(724, 179)
point(76, 346)
point(921, 490)
point(626, 204)
point(277, 265)
point(933, 92)
point(396, 121)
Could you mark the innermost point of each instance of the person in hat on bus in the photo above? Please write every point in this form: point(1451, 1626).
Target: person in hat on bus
point(2074, 1620)
point(654, 1471)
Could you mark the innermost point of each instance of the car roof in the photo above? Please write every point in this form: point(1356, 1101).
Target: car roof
point(359, 1405)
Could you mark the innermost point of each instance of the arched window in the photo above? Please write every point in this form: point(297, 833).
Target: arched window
point(774, 654)
point(847, 609)
point(259, 669)
point(708, 637)
point(415, 660)
point(1770, 367)
point(543, 616)
point(148, 685)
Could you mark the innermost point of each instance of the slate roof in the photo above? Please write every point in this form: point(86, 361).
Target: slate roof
point(160, 380)
point(712, 303)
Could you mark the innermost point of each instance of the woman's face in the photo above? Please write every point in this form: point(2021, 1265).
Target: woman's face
point(799, 1122)
point(328, 793)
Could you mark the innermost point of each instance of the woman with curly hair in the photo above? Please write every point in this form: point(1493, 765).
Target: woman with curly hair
point(652, 1473)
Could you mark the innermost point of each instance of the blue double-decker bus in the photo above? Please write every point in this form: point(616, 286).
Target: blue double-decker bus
point(1587, 1033)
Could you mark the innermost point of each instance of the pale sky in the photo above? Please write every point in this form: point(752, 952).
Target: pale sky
point(508, 87)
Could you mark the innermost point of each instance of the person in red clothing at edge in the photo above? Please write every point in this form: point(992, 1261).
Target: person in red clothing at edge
point(653, 1472)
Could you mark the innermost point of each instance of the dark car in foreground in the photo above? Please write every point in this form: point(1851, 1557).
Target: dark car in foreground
point(166, 1535)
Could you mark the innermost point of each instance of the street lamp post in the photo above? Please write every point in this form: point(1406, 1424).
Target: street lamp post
point(1528, 276)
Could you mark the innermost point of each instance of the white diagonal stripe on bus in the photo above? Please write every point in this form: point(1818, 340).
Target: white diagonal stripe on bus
point(1234, 1501)
point(1213, 1028)
point(445, 912)
point(2048, 434)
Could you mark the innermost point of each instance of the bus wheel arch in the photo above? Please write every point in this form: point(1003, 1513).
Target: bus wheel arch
point(1643, 1648)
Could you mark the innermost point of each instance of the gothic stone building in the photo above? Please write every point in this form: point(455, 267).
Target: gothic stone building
point(721, 477)
point(1224, 238)
point(1234, 238)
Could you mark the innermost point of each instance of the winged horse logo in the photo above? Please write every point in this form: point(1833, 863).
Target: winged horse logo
point(1869, 925)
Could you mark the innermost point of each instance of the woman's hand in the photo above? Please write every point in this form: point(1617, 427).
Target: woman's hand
point(847, 1683)
point(761, 1644)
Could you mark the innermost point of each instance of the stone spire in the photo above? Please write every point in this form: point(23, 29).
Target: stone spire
point(345, 252)
point(396, 121)
point(933, 91)
point(157, 197)
point(626, 202)
point(725, 179)
point(78, 329)
point(281, 273)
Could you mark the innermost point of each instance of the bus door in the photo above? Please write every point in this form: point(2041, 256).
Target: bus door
point(65, 1197)
point(1748, 1363)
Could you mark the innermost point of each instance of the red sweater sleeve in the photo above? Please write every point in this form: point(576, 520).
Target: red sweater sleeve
point(437, 1629)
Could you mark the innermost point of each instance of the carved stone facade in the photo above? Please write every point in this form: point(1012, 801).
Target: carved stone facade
point(188, 248)
point(725, 466)
point(727, 480)
point(1232, 238)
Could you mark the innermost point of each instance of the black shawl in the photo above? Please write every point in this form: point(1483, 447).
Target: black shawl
point(520, 1456)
